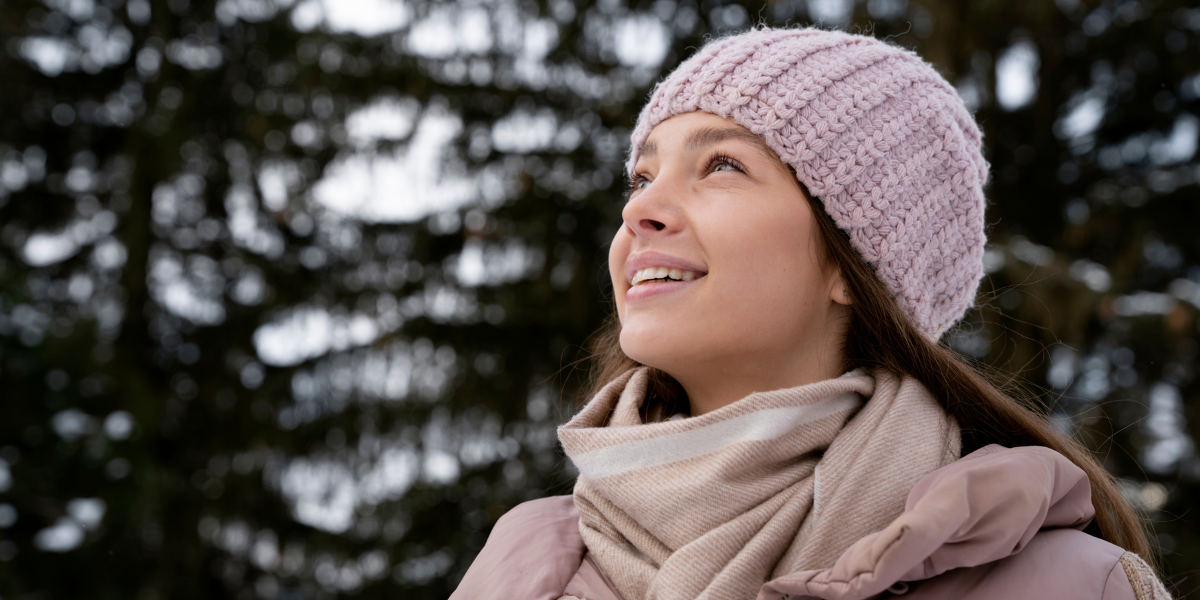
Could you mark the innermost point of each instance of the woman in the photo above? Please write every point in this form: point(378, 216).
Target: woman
point(773, 416)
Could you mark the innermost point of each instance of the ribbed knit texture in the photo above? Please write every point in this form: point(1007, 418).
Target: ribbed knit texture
point(874, 132)
point(1146, 585)
point(711, 507)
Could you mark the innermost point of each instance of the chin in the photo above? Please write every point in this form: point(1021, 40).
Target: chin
point(658, 346)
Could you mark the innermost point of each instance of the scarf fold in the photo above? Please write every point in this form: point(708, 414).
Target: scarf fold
point(713, 506)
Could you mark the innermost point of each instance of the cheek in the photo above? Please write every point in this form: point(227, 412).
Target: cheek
point(618, 253)
point(771, 270)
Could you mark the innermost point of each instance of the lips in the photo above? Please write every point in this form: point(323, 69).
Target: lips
point(663, 266)
point(654, 273)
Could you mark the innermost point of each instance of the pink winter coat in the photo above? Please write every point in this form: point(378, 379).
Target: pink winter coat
point(998, 524)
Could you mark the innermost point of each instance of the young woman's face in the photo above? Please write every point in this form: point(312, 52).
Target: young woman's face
point(718, 258)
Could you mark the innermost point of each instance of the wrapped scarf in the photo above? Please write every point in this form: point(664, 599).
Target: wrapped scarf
point(712, 506)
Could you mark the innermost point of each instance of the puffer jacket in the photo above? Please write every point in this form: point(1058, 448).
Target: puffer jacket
point(1001, 523)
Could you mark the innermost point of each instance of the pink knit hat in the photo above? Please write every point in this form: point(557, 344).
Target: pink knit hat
point(874, 132)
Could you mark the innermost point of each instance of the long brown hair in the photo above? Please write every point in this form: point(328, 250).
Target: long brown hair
point(881, 335)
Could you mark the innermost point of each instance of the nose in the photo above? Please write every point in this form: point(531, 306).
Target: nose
point(651, 212)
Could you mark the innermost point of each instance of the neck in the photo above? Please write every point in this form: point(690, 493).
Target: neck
point(715, 384)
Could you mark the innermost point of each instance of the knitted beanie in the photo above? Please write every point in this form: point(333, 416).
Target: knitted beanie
point(874, 132)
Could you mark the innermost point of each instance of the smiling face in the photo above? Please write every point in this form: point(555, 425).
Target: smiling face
point(718, 270)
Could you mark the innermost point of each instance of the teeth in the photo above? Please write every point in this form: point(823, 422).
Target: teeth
point(653, 273)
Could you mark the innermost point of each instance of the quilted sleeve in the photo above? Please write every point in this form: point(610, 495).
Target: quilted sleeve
point(531, 554)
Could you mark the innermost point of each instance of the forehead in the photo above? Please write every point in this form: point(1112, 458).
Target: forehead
point(696, 131)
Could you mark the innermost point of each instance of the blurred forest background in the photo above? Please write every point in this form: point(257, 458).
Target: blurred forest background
point(291, 290)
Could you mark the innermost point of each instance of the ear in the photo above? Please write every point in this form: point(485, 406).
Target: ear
point(839, 292)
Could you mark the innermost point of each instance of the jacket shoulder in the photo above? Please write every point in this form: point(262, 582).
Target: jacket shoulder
point(553, 511)
point(998, 523)
point(531, 554)
point(1064, 564)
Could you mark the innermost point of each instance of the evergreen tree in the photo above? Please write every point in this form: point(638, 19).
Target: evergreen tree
point(292, 292)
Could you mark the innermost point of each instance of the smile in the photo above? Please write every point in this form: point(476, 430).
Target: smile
point(663, 274)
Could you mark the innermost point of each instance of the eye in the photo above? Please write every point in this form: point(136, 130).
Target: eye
point(722, 162)
point(638, 182)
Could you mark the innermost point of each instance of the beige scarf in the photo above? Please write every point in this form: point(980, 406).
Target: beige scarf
point(713, 506)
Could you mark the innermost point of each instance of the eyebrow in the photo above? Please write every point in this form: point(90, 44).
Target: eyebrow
point(708, 136)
